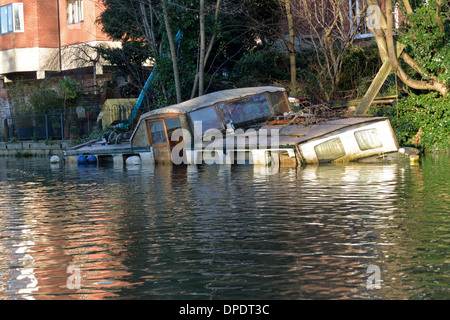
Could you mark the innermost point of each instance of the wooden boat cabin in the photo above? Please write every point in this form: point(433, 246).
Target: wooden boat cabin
point(229, 109)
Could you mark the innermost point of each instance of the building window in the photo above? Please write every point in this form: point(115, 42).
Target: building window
point(11, 18)
point(18, 17)
point(6, 19)
point(358, 16)
point(75, 11)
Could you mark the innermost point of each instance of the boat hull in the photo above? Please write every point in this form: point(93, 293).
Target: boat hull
point(350, 143)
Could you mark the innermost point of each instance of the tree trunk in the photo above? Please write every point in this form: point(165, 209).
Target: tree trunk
point(291, 44)
point(201, 66)
point(387, 47)
point(207, 53)
point(173, 51)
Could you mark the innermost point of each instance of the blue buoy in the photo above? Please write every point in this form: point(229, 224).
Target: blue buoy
point(92, 160)
point(81, 159)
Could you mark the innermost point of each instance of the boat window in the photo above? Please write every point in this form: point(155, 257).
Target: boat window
point(171, 125)
point(329, 150)
point(278, 102)
point(157, 131)
point(207, 117)
point(368, 139)
point(246, 109)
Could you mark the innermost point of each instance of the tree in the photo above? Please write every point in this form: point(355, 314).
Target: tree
point(153, 25)
point(173, 51)
point(44, 100)
point(137, 24)
point(132, 63)
point(291, 43)
point(83, 54)
point(424, 33)
point(69, 90)
point(329, 29)
point(416, 47)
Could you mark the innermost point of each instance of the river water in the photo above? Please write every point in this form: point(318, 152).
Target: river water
point(356, 231)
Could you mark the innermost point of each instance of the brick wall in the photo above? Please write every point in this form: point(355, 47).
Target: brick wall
point(5, 111)
point(85, 31)
point(41, 25)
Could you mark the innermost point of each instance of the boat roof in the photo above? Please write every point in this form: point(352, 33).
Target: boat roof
point(210, 99)
point(207, 100)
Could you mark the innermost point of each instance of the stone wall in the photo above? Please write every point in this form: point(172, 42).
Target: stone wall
point(5, 111)
point(33, 149)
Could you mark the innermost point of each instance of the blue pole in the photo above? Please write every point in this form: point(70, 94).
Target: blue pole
point(146, 89)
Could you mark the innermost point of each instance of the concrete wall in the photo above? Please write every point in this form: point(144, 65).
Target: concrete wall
point(33, 149)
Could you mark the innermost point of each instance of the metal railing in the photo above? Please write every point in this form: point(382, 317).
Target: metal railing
point(75, 124)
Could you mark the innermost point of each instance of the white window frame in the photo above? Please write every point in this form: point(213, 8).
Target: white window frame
point(75, 11)
point(364, 31)
point(18, 25)
point(6, 25)
point(396, 16)
point(10, 13)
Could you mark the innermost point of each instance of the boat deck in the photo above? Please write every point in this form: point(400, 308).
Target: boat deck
point(100, 147)
point(291, 135)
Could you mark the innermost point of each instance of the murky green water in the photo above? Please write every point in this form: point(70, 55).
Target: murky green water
point(216, 232)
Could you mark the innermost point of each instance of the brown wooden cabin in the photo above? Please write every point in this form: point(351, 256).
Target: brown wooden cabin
point(245, 107)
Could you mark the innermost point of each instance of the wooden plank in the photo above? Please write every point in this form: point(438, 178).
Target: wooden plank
point(356, 102)
point(376, 84)
point(88, 143)
point(374, 88)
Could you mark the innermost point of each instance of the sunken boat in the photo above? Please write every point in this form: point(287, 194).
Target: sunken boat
point(255, 125)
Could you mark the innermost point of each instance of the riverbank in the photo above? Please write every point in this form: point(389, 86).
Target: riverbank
point(33, 149)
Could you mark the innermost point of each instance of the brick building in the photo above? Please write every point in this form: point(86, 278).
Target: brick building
point(41, 37)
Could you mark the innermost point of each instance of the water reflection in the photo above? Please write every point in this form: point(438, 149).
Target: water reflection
point(222, 232)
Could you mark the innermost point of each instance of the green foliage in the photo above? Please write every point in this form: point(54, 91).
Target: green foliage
point(359, 63)
point(44, 100)
point(20, 105)
point(118, 20)
point(74, 130)
point(69, 88)
point(429, 112)
point(269, 65)
point(260, 66)
point(425, 41)
point(29, 101)
point(234, 33)
point(426, 36)
point(129, 61)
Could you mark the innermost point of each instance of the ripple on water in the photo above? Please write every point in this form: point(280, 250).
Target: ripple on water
point(223, 232)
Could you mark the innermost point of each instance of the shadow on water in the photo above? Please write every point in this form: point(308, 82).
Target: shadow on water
point(222, 232)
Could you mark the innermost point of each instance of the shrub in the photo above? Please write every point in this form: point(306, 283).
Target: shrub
point(44, 100)
point(428, 112)
point(260, 66)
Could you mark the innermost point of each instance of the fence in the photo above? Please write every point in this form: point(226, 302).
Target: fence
point(79, 123)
